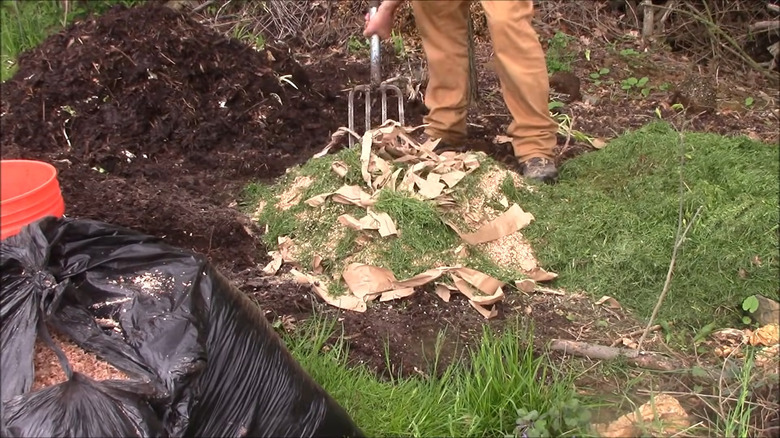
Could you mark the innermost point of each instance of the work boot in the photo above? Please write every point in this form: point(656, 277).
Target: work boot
point(540, 170)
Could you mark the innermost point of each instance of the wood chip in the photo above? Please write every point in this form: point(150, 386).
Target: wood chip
point(49, 372)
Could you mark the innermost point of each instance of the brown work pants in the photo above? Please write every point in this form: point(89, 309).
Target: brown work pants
point(519, 61)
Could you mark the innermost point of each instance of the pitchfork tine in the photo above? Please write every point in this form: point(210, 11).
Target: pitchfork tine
point(399, 96)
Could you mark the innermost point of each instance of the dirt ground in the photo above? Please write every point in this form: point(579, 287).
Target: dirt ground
point(156, 123)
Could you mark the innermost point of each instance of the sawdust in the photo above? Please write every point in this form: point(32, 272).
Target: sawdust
point(478, 209)
point(512, 251)
point(293, 194)
point(48, 370)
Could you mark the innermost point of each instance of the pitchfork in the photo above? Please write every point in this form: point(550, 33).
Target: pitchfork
point(376, 84)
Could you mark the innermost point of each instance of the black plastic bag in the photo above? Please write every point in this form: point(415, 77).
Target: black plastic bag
point(202, 359)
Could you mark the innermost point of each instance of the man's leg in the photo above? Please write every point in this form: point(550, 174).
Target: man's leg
point(443, 27)
point(522, 70)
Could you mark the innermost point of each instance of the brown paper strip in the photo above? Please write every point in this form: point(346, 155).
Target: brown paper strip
point(347, 302)
point(443, 291)
point(396, 294)
point(362, 279)
point(509, 222)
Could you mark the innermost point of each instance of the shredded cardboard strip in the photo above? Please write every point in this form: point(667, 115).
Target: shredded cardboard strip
point(368, 283)
point(428, 176)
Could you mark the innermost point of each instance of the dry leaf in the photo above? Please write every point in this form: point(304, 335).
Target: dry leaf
point(500, 139)
point(766, 335)
point(769, 356)
point(335, 140)
point(598, 143)
point(662, 416)
point(393, 182)
point(609, 302)
point(629, 343)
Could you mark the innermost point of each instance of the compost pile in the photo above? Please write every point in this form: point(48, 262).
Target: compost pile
point(155, 122)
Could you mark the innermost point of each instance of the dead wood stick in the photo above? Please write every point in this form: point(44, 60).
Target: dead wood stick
point(773, 7)
point(680, 239)
point(548, 291)
point(636, 358)
point(637, 332)
point(765, 25)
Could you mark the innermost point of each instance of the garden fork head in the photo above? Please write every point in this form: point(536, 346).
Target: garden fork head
point(376, 85)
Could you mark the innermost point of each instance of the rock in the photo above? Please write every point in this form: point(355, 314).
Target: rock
point(566, 83)
point(697, 93)
point(768, 311)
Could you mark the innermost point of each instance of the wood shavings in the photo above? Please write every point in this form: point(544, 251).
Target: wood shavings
point(48, 370)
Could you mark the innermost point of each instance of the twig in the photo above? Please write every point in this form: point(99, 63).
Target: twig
point(679, 239)
point(600, 352)
point(765, 26)
point(547, 291)
point(636, 332)
point(668, 281)
point(201, 7)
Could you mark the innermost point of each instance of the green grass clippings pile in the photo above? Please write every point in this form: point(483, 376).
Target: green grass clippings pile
point(433, 210)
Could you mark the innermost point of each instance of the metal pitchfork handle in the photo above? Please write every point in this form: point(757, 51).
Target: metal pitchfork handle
point(376, 82)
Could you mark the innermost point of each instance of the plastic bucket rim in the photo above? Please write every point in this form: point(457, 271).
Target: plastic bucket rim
point(48, 181)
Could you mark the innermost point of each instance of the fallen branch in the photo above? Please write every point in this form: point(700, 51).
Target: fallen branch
point(641, 359)
point(765, 26)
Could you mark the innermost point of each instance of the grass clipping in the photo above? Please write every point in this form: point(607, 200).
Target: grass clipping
point(391, 161)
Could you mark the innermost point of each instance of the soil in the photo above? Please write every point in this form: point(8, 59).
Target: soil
point(156, 122)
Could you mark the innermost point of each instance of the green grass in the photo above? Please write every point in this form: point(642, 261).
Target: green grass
point(608, 227)
point(25, 24)
point(477, 400)
point(421, 234)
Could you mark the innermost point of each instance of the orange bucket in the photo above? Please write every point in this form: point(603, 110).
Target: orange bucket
point(30, 191)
